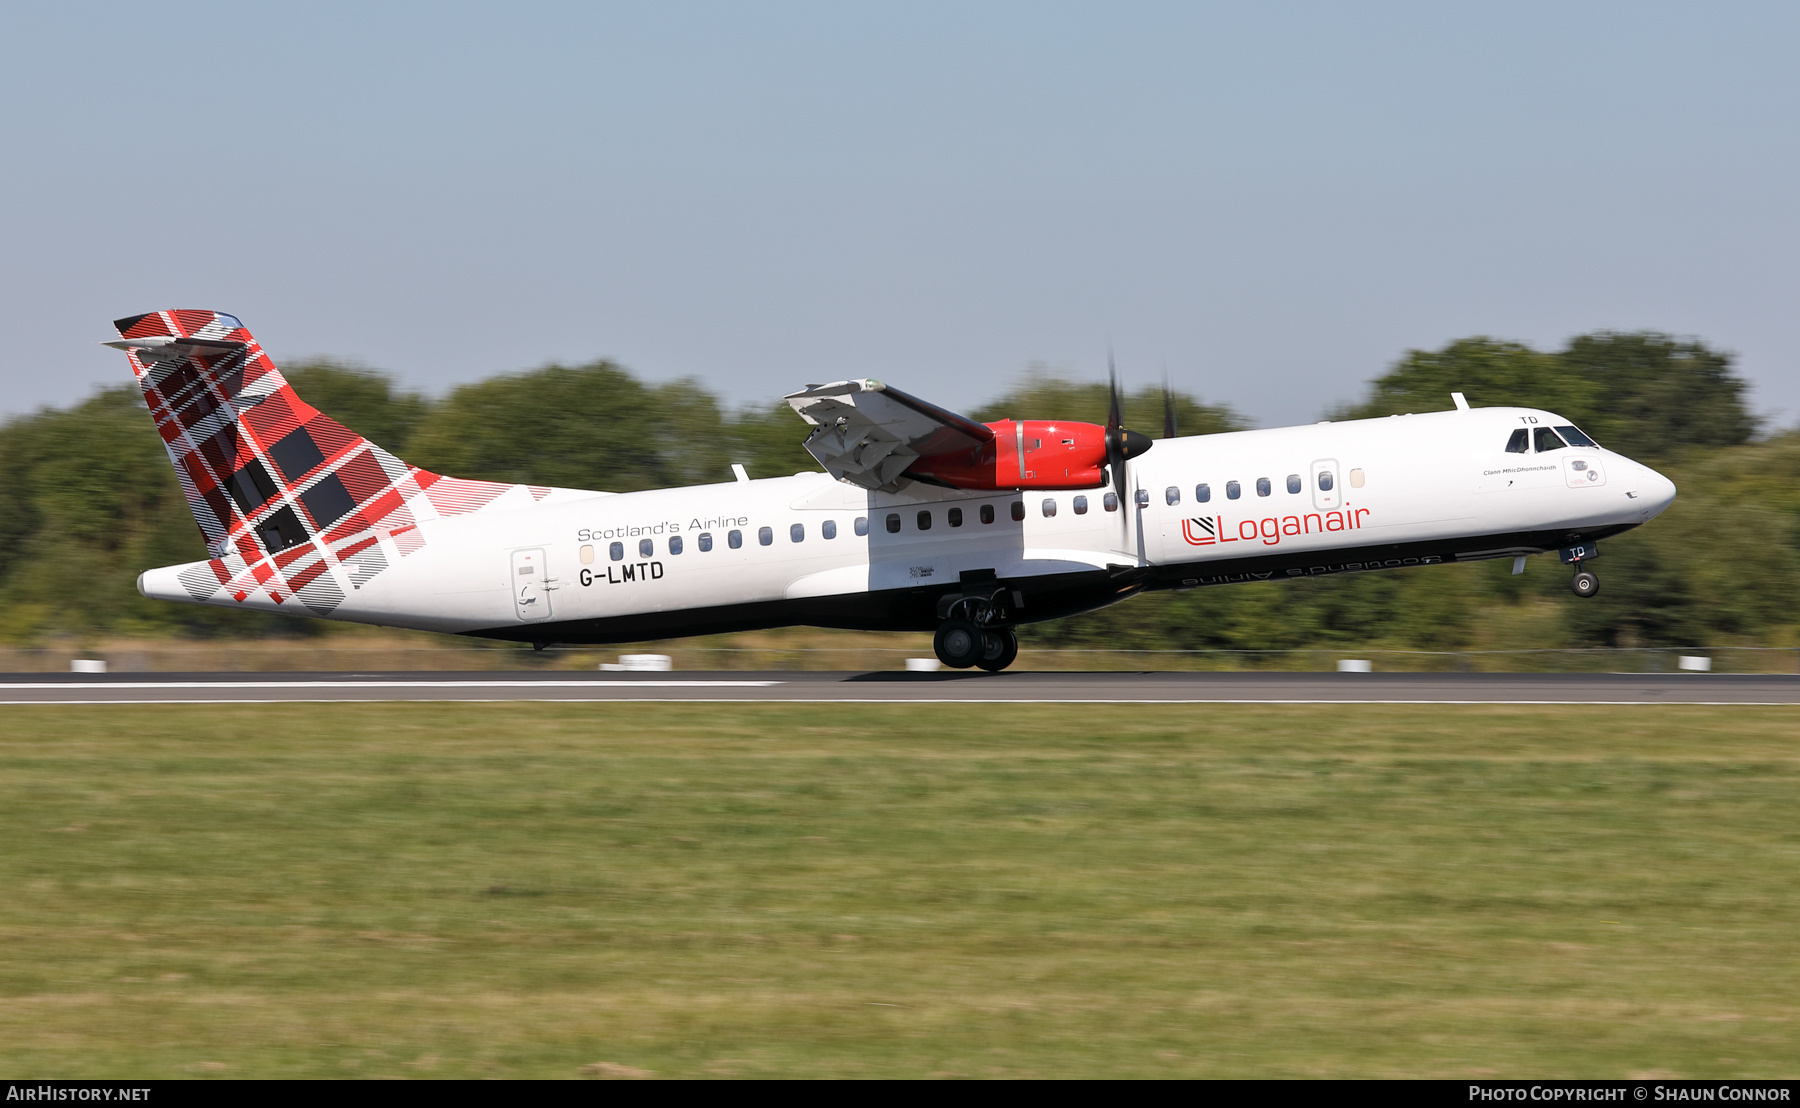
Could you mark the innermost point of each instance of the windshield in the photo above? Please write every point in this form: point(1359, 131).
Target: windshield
point(1547, 440)
point(1574, 437)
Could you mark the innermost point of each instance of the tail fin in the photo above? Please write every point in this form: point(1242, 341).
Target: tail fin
point(283, 495)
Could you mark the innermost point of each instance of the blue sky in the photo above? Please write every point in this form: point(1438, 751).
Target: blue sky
point(1274, 200)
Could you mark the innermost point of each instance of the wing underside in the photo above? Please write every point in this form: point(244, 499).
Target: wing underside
point(868, 433)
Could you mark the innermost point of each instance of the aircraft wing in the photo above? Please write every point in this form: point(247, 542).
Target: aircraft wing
point(868, 433)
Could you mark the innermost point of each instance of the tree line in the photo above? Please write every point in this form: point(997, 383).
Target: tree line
point(88, 500)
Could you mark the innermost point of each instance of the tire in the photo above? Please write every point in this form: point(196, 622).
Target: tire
point(1584, 584)
point(958, 643)
point(1000, 645)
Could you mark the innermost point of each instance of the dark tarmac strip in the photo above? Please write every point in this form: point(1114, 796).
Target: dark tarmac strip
point(905, 688)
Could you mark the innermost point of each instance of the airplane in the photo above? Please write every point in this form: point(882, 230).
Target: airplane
point(923, 520)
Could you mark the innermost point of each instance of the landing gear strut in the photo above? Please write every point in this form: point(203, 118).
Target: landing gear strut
point(1584, 584)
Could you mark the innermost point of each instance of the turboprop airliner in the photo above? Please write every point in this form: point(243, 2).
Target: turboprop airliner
point(922, 520)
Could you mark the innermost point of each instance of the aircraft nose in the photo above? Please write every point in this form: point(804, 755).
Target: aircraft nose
point(1657, 491)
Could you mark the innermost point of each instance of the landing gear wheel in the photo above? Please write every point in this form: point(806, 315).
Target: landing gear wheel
point(1584, 584)
point(958, 643)
point(999, 646)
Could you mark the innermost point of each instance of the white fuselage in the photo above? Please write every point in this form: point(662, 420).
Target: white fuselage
point(600, 567)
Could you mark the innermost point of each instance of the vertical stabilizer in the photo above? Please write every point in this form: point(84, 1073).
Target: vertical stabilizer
point(292, 504)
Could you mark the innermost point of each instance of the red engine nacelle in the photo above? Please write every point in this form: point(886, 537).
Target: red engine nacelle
point(1024, 454)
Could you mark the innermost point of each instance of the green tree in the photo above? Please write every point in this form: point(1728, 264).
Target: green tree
point(1644, 394)
point(587, 427)
point(1656, 396)
point(769, 441)
point(88, 500)
point(1490, 372)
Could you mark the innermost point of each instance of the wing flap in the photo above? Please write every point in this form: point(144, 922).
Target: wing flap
point(868, 433)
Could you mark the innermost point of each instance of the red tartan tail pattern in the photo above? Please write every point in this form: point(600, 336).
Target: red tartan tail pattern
point(292, 504)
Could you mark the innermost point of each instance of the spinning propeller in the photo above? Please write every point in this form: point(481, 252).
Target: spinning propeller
point(1121, 444)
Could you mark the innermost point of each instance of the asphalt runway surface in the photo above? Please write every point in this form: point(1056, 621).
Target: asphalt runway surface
point(904, 688)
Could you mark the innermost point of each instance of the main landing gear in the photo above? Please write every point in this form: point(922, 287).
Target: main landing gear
point(961, 643)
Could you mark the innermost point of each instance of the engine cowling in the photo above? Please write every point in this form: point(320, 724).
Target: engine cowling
point(1024, 454)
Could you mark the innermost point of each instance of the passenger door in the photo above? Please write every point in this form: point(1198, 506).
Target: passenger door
point(1327, 485)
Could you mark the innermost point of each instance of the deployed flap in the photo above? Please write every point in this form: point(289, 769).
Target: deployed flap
point(867, 433)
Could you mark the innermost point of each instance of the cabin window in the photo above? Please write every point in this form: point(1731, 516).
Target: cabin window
point(862, 525)
point(797, 532)
point(674, 544)
point(987, 513)
point(616, 551)
point(1203, 494)
point(1081, 505)
point(1018, 511)
point(1326, 481)
point(1263, 488)
point(1356, 478)
point(893, 523)
point(646, 548)
point(1110, 502)
point(1294, 482)
point(1141, 498)
point(955, 515)
point(1574, 437)
point(924, 521)
point(705, 541)
point(1049, 506)
point(1171, 495)
point(765, 536)
point(1547, 440)
point(828, 529)
point(1520, 442)
point(587, 555)
point(734, 539)
point(1233, 490)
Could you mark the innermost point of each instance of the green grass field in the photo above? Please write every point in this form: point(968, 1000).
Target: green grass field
point(832, 890)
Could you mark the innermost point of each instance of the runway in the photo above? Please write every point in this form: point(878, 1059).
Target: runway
point(904, 688)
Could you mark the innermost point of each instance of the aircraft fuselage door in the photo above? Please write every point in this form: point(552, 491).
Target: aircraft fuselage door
point(531, 584)
point(1327, 487)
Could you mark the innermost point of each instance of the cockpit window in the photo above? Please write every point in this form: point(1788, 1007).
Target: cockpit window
point(1547, 440)
point(1574, 437)
point(1520, 443)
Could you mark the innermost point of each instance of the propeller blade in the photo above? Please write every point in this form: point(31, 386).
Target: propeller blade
point(1168, 408)
point(1115, 435)
point(1121, 444)
point(1112, 392)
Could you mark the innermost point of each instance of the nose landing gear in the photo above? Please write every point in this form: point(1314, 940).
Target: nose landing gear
point(1584, 584)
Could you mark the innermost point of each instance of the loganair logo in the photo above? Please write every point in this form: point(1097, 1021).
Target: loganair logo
point(1269, 530)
